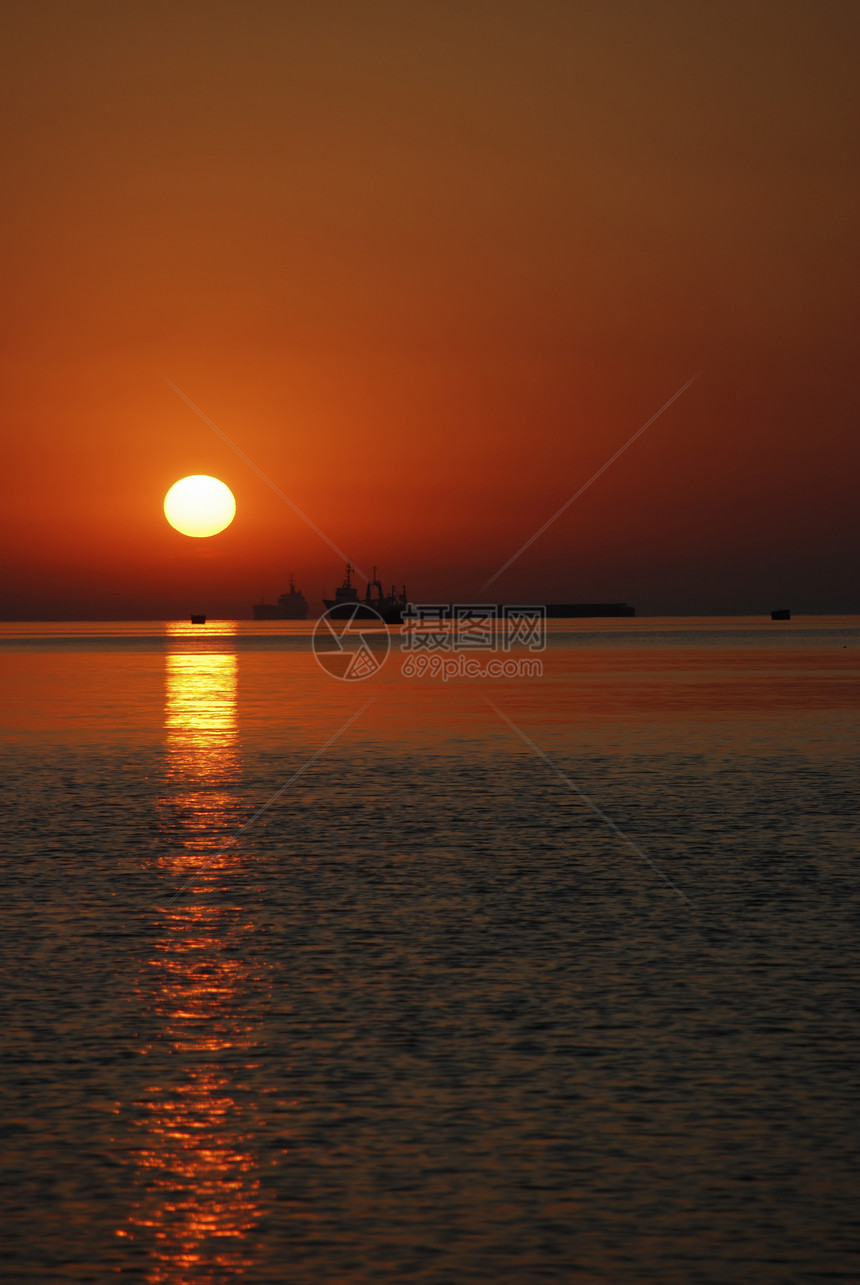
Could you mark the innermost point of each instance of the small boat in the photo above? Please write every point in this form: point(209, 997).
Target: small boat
point(782, 613)
point(197, 620)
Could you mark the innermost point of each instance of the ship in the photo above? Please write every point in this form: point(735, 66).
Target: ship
point(346, 603)
point(585, 610)
point(291, 605)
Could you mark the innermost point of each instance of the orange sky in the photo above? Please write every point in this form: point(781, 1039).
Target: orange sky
point(429, 265)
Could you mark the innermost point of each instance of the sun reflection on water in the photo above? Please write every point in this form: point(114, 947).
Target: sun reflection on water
point(201, 736)
point(197, 1171)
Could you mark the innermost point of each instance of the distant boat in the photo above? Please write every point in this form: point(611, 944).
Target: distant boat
point(346, 603)
point(291, 605)
point(782, 613)
point(197, 620)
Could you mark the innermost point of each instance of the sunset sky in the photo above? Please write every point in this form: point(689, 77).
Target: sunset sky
point(429, 265)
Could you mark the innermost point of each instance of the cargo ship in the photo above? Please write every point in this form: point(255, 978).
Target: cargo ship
point(585, 610)
point(291, 605)
point(346, 603)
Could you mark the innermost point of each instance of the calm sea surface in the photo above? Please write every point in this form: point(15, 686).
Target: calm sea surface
point(429, 1017)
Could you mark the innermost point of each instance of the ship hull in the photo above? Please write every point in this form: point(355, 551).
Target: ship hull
point(587, 610)
point(360, 611)
point(271, 611)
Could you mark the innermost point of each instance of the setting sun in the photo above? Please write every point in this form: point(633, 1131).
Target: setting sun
point(199, 505)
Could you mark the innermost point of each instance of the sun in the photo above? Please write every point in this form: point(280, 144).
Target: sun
point(199, 505)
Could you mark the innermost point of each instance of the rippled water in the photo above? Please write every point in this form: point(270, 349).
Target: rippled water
point(428, 1017)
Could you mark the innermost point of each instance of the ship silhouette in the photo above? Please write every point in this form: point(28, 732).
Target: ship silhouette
point(346, 604)
point(291, 605)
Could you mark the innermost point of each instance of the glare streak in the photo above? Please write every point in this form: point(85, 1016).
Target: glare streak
point(593, 478)
point(536, 750)
point(322, 535)
point(274, 797)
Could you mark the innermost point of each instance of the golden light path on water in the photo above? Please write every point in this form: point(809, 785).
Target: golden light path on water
point(198, 1185)
point(430, 1020)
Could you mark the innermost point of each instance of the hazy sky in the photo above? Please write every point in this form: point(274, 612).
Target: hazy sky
point(429, 265)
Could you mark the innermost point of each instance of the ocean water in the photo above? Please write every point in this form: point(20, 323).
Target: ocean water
point(319, 981)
